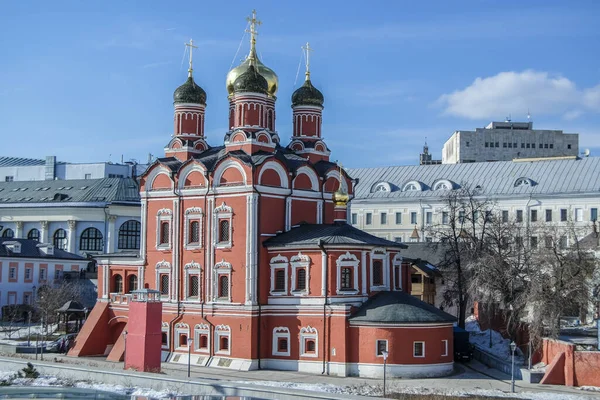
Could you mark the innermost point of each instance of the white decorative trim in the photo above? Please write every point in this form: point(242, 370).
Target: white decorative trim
point(444, 347)
point(163, 267)
point(347, 260)
point(412, 186)
point(281, 333)
point(414, 353)
point(165, 329)
point(442, 184)
point(181, 329)
point(187, 170)
point(397, 262)
point(379, 254)
point(164, 215)
point(297, 262)
point(201, 329)
point(221, 268)
point(222, 331)
point(377, 347)
point(158, 170)
point(220, 213)
point(312, 175)
point(309, 333)
point(225, 166)
point(381, 187)
point(191, 269)
point(275, 166)
point(278, 262)
point(336, 174)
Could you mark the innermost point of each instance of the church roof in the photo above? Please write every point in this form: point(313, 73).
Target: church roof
point(434, 253)
point(394, 307)
point(58, 192)
point(30, 249)
point(501, 178)
point(327, 234)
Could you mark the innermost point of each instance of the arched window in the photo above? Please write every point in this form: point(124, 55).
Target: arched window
point(194, 290)
point(194, 234)
point(301, 279)
point(60, 239)
point(118, 284)
point(133, 283)
point(224, 286)
point(523, 182)
point(91, 240)
point(164, 284)
point(224, 230)
point(8, 233)
point(164, 233)
point(129, 235)
point(34, 234)
point(347, 280)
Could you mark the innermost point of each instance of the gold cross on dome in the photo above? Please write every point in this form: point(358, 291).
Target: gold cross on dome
point(253, 24)
point(307, 49)
point(192, 47)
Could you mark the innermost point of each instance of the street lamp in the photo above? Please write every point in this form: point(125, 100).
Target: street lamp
point(124, 349)
point(385, 356)
point(513, 347)
point(190, 341)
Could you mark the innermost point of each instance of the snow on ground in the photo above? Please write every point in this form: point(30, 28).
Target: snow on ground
point(48, 380)
point(590, 388)
point(21, 331)
point(500, 346)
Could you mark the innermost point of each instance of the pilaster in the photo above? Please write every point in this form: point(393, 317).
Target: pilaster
point(19, 229)
point(71, 235)
point(111, 234)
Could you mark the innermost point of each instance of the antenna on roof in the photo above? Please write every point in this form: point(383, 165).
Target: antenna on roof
point(528, 115)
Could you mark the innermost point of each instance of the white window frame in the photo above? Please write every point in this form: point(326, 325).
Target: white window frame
point(444, 348)
point(221, 268)
point(222, 331)
point(309, 333)
point(163, 267)
point(279, 262)
point(281, 332)
point(347, 260)
point(380, 255)
point(193, 214)
point(165, 329)
point(199, 330)
point(182, 329)
point(300, 261)
point(12, 272)
point(219, 213)
point(192, 269)
point(164, 215)
point(397, 262)
point(578, 213)
point(416, 214)
point(28, 271)
point(377, 347)
point(414, 352)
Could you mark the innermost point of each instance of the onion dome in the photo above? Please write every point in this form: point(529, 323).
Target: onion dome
point(266, 72)
point(189, 92)
point(251, 81)
point(307, 95)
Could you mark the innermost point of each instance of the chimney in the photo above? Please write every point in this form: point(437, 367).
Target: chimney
point(50, 168)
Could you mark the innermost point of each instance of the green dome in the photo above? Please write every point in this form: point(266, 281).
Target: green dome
point(251, 81)
point(189, 92)
point(307, 95)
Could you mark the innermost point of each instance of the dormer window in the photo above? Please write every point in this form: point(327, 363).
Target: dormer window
point(523, 182)
point(412, 186)
point(381, 187)
point(443, 185)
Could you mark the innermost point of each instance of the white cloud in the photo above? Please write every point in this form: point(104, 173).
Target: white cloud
point(516, 92)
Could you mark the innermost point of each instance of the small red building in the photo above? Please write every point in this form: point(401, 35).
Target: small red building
point(248, 244)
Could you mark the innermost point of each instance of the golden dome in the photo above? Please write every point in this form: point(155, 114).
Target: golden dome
point(340, 197)
point(265, 71)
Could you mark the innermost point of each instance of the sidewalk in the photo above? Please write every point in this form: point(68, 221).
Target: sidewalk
point(466, 379)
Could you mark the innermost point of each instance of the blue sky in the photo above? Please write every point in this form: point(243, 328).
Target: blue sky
point(91, 81)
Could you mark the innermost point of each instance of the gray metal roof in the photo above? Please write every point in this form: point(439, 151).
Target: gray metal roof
point(576, 176)
point(398, 307)
point(106, 190)
point(20, 162)
point(30, 249)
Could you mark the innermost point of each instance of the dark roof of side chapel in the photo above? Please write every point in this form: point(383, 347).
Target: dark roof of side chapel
point(30, 249)
point(435, 253)
point(327, 234)
point(189, 92)
point(398, 307)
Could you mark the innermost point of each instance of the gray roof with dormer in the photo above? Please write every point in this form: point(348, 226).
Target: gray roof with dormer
point(545, 177)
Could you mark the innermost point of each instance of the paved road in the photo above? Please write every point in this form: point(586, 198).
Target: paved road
point(466, 377)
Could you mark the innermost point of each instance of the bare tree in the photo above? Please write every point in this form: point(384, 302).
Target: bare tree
point(51, 297)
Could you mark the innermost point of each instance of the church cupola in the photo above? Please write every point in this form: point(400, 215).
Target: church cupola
point(307, 110)
point(189, 101)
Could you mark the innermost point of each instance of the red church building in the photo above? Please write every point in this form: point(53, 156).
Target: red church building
point(248, 245)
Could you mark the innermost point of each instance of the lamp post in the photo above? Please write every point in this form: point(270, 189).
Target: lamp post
point(29, 328)
point(385, 356)
point(513, 347)
point(124, 349)
point(189, 343)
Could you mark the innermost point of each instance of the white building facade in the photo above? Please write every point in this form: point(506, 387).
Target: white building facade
point(505, 141)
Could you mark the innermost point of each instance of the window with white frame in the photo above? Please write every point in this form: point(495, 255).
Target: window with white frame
point(419, 349)
point(381, 346)
point(279, 275)
point(182, 333)
point(397, 264)
point(347, 274)
point(163, 278)
point(281, 341)
point(444, 348)
point(165, 336)
point(164, 220)
point(378, 269)
point(191, 284)
point(201, 338)
point(222, 226)
point(309, 338)
point(222, 339)
point(193, 228)
point(28, 274)
point(222, 281)
point(579, 214)
point(300, 273)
